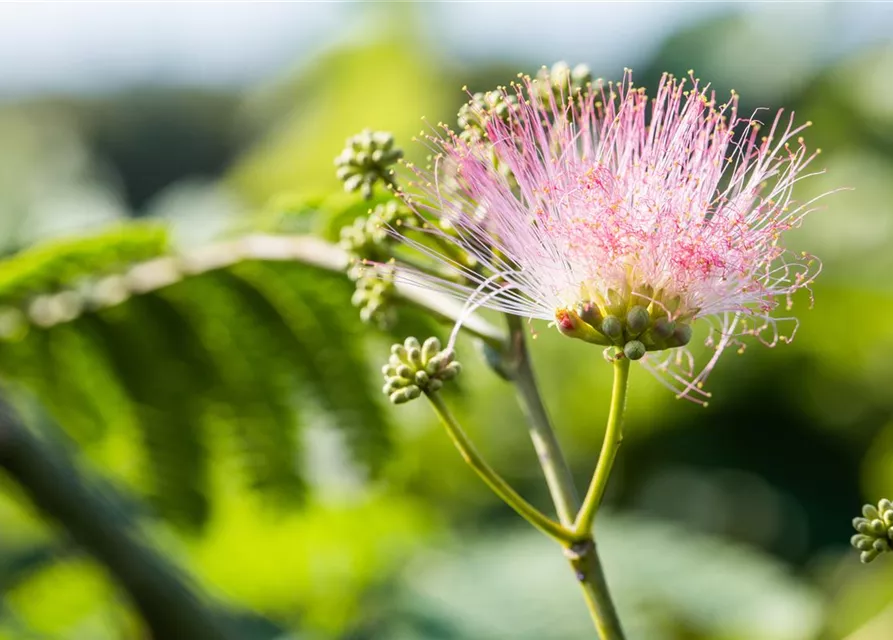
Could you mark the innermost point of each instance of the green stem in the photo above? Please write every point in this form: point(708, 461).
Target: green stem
point(545, 443)
point(613, 438)
point(499, 486)
point(588, 569)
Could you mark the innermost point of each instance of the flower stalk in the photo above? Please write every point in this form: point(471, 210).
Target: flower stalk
point(588, 569)
point(492, 479)
point(582, 555)
point(610, 446)
point(545, 442)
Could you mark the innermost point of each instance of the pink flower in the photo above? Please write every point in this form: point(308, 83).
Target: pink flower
point(621, 219)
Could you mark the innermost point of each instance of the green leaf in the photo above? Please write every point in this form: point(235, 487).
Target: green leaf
point(326, 349)
point(62, 263)
point(667, 583)
point(157, 357)
point(256, 382)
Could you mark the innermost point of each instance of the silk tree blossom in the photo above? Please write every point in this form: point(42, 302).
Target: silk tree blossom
point(622, 220)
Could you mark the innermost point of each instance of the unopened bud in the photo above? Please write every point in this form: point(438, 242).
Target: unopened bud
point(637, 320)
point(415, 368)
point(571, 324)
point(681, 336)
point(634, 350)
point(612, 327)
point(663, 328)
point(366, 160)
point(875, 530)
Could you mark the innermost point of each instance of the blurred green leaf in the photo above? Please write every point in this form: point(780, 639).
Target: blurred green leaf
point(668, 583)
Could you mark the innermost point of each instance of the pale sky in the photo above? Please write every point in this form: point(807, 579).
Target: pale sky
point(73, 47)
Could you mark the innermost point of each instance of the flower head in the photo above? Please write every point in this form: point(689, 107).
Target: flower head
point(622, 219)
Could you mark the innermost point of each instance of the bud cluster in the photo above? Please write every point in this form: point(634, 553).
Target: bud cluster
point(366, 242)
point(636, 331)
point(875, 530)
point(561, 78)
point(367, 237)
point(374, 292)
point(366, 160)
point(557, 81)
point(474, 114)
point(414, 368)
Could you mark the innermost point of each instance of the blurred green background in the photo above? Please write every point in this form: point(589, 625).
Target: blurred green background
point(235, 418)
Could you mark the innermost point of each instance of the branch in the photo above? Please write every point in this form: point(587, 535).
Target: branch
point(51, 309)
point(170, 608)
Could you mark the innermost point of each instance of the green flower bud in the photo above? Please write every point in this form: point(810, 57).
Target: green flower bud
point(871, 512)
point(634, 350)
point(430, 348)
point(368, 236)
point(862, 542)
point(612, 327)
point(414, 368)
point(366, 160)
point(862, 525)
point(681, 336)
point(663, 328)
point(450, 371)
point(560, 79)
point(590, 314)
point(399, 350)
point(637, 320)
point(474, 115)
point(867, 556)
point(405, 395)
point(875, 533)
point(611, 321)
point(571, 324)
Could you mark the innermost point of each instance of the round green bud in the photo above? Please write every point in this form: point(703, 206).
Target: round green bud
point(612, 327)
point(421, 378)
point(881, 544)
point(682, 335)
point(663, 328)
point(637, 320)
point(634, 350)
